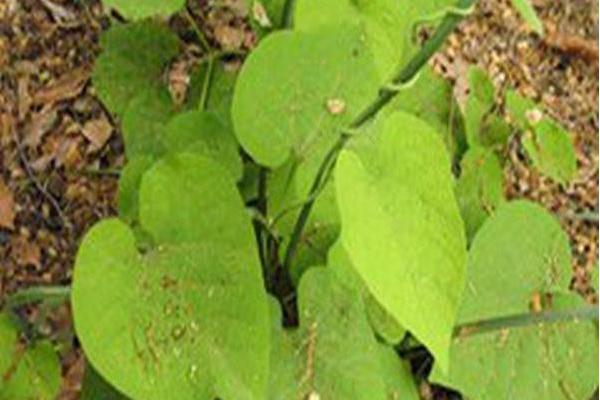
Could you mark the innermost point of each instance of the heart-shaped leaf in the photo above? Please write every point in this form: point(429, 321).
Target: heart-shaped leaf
point(520, 261)
point(94, 387)
point(520, 250)
point(386, 25)
point(478, 105)
point(144, 122)
point(314, 362)
point(551, 150)
point(188, 318)
point(479, 190)
point(26, 372)
point(383, 324)
point(430, 98)
point(132, 61)
point(291, 101)
point(204, 134)
point(405, 239)
point(145, 8)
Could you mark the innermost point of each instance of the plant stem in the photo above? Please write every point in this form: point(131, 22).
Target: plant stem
point(206, 84)
point(50, 294)
point(386, 94)
point(288, 14)
point(261, 206)
point(522, 320)
point(203, 42)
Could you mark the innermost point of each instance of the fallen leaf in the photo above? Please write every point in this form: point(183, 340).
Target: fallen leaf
point(7, 207)
point(24, 97)
point(25, 252)
point(98, 132)
point(67, 87)
point(39, 125)
point(229, 38)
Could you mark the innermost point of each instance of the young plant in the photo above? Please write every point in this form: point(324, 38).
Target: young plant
point(296, 230)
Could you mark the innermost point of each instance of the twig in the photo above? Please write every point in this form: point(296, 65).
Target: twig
point(585, 313)
point(53, 202)
point(50, 294)
point(386, 94)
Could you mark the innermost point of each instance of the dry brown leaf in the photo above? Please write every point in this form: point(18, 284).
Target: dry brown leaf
point(39, 125)
point(24, 97)
point(65, 88)
point(7, 207)
point(98, 131)
point(26, 252)
point(229, 38)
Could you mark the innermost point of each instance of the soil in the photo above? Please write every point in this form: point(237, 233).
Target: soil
point(61, 152)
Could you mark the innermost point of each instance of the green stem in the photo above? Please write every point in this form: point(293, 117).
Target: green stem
point(206, 84)
point(203, 42)
point(584, 313)
point(288, 14)
point(261, 207)
point(48, 294)
point(386, 94)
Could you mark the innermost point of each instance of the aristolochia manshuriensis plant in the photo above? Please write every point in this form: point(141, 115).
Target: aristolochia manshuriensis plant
point(363, 229)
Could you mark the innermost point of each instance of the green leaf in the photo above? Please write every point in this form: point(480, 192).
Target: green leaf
point(519, 256)
point(479, 103)
point(144, 122)
point(479, 190)
point(94, 387)
point(544, 361)
point(153, 324)
point(518, 108)
point(27, 372)
point(594, 278)
point(528, 13)
point(521, 250)
point(145, 8)
point(220, 94)
point(132, 60)
point(386, 25)
point(129, 184)
point(405, 240)
point(431, 99)
point(315, 360)
point(290, 101)
point(204, 134)
point(552, 151)
point(383, 324)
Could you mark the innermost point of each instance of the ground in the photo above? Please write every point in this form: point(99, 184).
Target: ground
point(61, 152)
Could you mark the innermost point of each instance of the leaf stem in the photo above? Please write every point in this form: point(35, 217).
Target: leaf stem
point(50, 294)
point(206, 84)
point(386, 94)
point(584, 313)
point(203, 42)
point(288, 14)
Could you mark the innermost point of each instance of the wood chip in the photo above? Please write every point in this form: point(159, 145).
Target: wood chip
point(67, 87)
point(39, 125)
point(7, 207)
point(26, 252)
point(98, 132)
